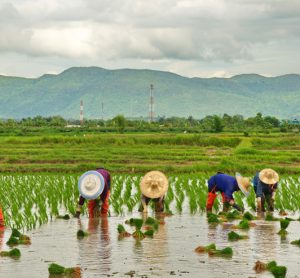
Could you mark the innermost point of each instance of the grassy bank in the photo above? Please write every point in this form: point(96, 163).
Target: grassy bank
point(137, 153)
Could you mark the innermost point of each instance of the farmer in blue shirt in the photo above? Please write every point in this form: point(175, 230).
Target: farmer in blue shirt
point(265, 184)
point(227, 185)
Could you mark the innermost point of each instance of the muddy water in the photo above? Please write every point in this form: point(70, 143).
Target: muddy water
point(170, 252)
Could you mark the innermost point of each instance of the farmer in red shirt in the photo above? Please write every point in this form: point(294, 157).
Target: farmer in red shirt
point(95, 187)
point(227, 185)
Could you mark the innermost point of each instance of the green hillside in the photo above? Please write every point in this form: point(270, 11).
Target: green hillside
point(126, 91)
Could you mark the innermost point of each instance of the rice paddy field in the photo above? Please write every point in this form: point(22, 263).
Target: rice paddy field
point(39, 185)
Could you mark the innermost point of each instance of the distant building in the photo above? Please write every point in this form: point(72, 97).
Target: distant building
point(294, 122)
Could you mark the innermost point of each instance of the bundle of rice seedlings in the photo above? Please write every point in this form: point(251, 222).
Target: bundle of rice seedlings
point(56, 269)
point(152, 222)
point(212, 218)
point(149, 233)
point(122, 232)
point(14, 253)
point(232, 236)
point(226, 252)
point(17, 238)
point(277, 270)
point(81, 234)
point(270, 217)
point(138, 223)
point(284, 223)
point(130, 222)
point(296, 242)
point(248, 216)
point(203, 249)
point(234, 214)
point(244, 225)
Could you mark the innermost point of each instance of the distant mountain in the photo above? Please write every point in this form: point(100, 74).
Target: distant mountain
point(126, 91)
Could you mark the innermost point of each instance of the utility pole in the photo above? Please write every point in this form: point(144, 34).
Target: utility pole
point(151, 104)
point(81, 113)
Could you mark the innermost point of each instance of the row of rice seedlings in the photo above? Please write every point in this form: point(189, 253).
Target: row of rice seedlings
point(31, 200)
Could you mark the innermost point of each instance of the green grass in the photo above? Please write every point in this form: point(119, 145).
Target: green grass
point(140, 152)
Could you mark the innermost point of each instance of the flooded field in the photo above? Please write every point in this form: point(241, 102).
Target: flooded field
point(169, 252)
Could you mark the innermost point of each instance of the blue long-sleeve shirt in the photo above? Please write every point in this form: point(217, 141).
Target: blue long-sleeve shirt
point(262, 189)
point(223, 183)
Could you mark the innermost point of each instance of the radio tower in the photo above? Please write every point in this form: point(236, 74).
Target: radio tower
point(151, 104)
point(81, 113)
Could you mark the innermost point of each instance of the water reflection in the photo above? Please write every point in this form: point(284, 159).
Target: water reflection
point(2, 230)
point(96, 248)
point(154, 251)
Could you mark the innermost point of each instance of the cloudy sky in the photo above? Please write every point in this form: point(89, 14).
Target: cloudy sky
point(202, 38)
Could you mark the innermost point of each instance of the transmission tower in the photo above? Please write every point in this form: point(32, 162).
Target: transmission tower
point(151, 104)
point(81, 113)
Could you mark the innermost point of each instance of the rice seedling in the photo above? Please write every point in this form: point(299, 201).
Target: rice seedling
point(138, 223)
point(122, 231)
point(248, 216)
point(17, 238)
point(284, 223)
point(277, 270)
point(296, 242)
point(244, 225)
point(232, 236)
point(234, 214)
point(56, 269)
point(81, 234)
point(14, 253)
point(226, 252)
point(152, 222)
point(270, 217)
point(212, 218)
point(149, 233)
point(203, 249)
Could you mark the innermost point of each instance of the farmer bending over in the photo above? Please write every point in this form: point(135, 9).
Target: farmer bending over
point(227, 185)
point(94, 186)
point(265, 184)
point(154, 186)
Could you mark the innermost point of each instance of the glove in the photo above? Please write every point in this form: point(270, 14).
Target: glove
point(238, 207)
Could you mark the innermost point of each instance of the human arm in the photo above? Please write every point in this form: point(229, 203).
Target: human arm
point(79, 206)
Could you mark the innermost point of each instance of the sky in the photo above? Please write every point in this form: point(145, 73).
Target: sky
point(203, 38)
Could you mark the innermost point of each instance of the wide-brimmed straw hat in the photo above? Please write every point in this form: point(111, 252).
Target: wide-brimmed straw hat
point(154, 184)
point(91, 185)
point(243, 183)
point(268, 176)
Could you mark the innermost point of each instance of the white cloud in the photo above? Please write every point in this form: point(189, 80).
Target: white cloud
point(219, 33)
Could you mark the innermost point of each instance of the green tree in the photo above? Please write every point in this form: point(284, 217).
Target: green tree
point(120, 121)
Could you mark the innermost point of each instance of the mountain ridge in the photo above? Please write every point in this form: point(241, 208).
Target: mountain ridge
point(126, 91)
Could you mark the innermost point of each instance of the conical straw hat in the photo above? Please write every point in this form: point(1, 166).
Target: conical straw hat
point(243, 183)
point(91, 185)
point(154, 184)
point(268, 176)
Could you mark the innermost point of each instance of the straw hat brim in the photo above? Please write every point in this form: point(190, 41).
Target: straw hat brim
point(243, 183)
point(154, 184)
point(264, 176)
point(91, 185)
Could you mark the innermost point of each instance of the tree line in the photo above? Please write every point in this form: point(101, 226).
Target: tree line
point(211, 123)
